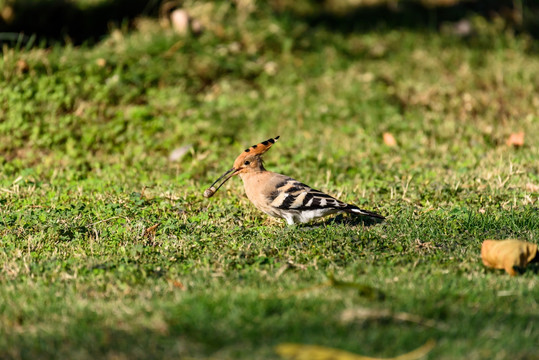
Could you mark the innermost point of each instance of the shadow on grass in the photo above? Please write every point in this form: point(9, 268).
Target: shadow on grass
point(418, 15)
point(341, 219)
point(202, 326)
point(70, 21)
point(65, 20)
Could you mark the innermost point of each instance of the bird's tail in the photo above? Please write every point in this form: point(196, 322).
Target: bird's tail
point(355, 210)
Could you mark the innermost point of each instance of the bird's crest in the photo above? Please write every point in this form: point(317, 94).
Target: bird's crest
point(257, 149)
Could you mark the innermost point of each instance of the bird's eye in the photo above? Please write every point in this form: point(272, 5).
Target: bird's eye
point(246, 163)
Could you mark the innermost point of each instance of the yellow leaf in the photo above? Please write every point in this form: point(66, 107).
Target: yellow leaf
point(316, 352)
point(506, 254)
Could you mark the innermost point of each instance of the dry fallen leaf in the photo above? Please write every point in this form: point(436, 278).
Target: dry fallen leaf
point(151, 230)
point(22, 66)
point(532, 187)
point(101, 62)
point(506, 254)
point(315, 352)
point(178, 284)
point(389, 139)
point(516, 139)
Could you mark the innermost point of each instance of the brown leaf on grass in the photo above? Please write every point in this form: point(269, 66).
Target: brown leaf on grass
point(101, 62)
point(516, 139)
point(532, 187)
point(507, 254)
point(389, 139)
point(22, 66)
point(316, 352)
point(178, 284)
point(150, 232)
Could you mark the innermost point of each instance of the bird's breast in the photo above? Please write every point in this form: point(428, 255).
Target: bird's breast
point(258, 189)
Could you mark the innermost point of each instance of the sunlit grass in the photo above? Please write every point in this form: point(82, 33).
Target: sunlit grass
point(85, 136)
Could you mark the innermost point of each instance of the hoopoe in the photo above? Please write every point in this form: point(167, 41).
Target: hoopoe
point(279, 195)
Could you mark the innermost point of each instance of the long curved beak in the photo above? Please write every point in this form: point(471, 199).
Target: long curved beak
point(227, 175)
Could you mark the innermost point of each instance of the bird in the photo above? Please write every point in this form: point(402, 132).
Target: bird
point(279, 195)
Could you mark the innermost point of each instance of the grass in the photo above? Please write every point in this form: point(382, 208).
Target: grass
point(85, 135)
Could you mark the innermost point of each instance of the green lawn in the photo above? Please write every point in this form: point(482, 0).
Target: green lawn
point(85, 136)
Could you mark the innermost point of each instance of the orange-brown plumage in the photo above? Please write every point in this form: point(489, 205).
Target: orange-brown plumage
point(253, 154)
point(279, 195)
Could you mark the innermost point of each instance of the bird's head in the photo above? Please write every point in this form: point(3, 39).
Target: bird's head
point(249, 160)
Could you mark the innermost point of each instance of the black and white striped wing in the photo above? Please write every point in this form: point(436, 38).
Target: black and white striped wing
point(293, 195)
